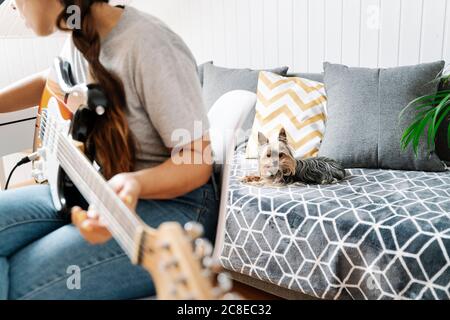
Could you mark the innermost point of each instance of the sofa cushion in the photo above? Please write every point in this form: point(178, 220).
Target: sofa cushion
point(380, 234)
point(201, 71)
point(310, 76)
point(296, 104)
point(363, 128)
point(225, 118)
point(218, 81)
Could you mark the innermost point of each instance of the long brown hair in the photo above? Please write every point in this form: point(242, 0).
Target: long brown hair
point(114, 143)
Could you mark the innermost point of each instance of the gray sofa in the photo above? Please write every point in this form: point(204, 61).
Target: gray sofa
point(380, 234)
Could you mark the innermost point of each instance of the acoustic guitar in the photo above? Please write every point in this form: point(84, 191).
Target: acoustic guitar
point(67, 113)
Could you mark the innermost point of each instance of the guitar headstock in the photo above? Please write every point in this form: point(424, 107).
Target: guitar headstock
point(181, 265)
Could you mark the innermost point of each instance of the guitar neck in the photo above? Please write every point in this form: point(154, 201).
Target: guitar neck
point(125, 226)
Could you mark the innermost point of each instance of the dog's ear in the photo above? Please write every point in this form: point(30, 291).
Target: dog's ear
point(262, 139)
point(282, 137)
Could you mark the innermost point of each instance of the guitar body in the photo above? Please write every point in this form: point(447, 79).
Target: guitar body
point(73, 105)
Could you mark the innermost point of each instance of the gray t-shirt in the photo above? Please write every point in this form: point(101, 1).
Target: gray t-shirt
point(159, 72)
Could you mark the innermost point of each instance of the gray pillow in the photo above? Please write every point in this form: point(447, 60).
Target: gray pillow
point(201, 71)
point(363, 128)
point(218, 81)
point(310, 76)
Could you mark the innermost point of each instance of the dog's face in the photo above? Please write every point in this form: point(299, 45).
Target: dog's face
point(275, 157)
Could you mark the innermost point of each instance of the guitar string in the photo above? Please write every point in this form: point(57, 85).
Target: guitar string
point(123, 236)
point(135, 223)
point(115, 227)
point(67, 149)
point(129, 241)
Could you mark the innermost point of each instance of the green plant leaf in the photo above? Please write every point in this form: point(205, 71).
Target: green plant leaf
point(431, 110)
point(410, 132)
point(439, 108)
point(442, 117)
point(435, 100)
point(419, 130)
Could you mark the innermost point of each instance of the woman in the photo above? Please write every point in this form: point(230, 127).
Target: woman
point(150, 76)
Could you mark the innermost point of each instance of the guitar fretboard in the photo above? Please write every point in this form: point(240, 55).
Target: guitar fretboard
point(124, 225)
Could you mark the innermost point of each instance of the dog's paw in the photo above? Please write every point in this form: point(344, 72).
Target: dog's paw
point(251, 179)
point(299, 184)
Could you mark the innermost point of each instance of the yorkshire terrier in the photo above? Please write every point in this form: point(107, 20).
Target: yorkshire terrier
point(277, 166)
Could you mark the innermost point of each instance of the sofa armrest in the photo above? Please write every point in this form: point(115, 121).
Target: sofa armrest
point(226, 168)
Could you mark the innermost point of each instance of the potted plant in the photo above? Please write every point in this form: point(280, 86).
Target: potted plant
point(432, 111)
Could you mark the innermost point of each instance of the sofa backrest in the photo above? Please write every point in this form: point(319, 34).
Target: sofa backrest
point(310, 76)
point(442, 149)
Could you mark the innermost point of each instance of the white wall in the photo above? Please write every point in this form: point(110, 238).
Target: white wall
point(304, 33)
point(267, 33)
point(22, 53)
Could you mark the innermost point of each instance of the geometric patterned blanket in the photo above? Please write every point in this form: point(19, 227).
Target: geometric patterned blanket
point(381, 234)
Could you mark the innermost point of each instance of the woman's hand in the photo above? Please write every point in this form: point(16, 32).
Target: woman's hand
point(91, 224)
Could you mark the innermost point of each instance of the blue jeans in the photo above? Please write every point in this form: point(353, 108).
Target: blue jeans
point(39, 247)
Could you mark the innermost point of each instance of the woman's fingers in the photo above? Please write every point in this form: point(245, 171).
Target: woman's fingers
point(94, 232)
point(92, 229)
point(78, 216)
point(128, 199)
point(92, 213)
point(129, 195)
point(127, 188)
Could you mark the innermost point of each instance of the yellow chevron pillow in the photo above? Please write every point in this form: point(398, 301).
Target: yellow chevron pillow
point(296, 104)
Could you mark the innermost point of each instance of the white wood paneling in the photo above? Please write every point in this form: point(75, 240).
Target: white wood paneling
point(285, 32)
point(20, 57)
point(333, 30)
point(300, 20)
point(268, 33)
point(351, 32)
point(231, 31)
point(256, 20)
point(370, 32)
point(304, 33)
point(244, 37)
point(446, 44)
point(22, 53)
point(411, 20)
point(389, 41)
point(433, 29)
point(316, 43)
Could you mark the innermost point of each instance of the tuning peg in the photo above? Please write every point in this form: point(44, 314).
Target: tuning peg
point(208, 262)
point(225, 282)
point(181, 279)
point(171, 263)
point(231, 296)
point(217, 292)
point(203, 248)
point(194, 230)
point(206, 273)
point(165, 245)
point(189, 297)
point(212, 264)
point(173, 291)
